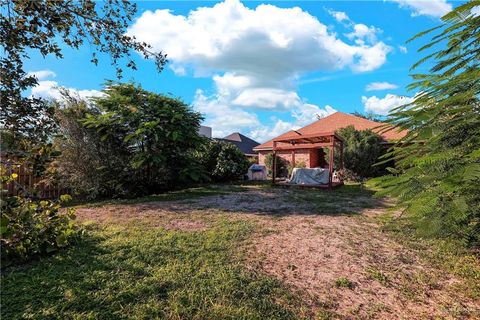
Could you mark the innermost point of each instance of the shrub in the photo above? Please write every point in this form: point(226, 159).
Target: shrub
point(223, 161)
point(29, 227)
point(281, 164)
point(362, 150)
point(129, 142)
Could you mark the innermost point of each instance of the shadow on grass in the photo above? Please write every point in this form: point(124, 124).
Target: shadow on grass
point(189, 193)
point(265, 199)
point(129, 272)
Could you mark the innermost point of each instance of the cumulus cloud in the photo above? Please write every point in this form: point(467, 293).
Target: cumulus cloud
point(42, 74)
point(255, 57)
point(377, 86)
point(49, 89)
point(340, 16)
point(432, 8)
point(363, 32)
point(231, 37)
point(308, 113)
point(383, 106)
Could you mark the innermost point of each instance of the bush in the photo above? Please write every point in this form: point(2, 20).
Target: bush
point(129, 142)
point(362, 150)
point(281, 164)
point(223, 161)
point(29, 227)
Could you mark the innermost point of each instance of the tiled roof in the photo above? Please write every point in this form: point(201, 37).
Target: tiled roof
point(337, 121)
point(245, 144)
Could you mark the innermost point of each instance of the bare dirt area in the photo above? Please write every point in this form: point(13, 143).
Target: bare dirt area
point(326, 245)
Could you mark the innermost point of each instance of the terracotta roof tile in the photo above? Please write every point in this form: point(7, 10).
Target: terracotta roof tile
point(337, 121)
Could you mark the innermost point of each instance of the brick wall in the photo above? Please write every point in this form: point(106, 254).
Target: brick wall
point(300, 156)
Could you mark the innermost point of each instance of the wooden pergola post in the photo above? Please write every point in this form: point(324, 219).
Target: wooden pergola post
point(274, 162)
point(330, 163)
point(293, 158)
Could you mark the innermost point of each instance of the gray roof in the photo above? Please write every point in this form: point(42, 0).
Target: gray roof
point(245, 144)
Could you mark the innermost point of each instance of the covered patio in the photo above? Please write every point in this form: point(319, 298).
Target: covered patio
point(328, 140)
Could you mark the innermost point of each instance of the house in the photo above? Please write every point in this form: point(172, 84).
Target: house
point(244, 143)
point(205, 131)
point(314, 157)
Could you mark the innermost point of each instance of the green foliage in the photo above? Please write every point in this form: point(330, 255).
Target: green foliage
point(362, 150)
point(47, 28)
point(131, 142)
point(30, 227)
point(281, 164)
point(438, 163)
point(223, 161)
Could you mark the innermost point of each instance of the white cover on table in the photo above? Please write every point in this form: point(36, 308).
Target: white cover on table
point(309, 176)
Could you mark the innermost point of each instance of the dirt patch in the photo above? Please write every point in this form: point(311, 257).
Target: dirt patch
point(385, 280)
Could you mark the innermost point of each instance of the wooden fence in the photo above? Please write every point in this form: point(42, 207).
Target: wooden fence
point(27, 182)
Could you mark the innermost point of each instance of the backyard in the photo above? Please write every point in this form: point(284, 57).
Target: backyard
point(245, 251)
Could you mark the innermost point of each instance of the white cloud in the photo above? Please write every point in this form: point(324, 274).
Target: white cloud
point(340, 16)
point(432, 8)
point(42, 74)
point(363, 32)
point(49, 89)
point(308, 113)
point(377, 86)
point(230, 37)
point(224, 117)
point(256, 58)
point(383, 106)
point(403, 49)
point(374, 57)
point(221, 116)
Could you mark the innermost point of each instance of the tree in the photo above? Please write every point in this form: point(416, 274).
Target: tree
point(362, 150)
point(438, 163)
point(139, 142)
point(223, 161)
point(45, 27)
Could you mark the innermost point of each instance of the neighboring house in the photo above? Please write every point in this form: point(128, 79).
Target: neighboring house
point(313, 157)
point(205, 131)
point(245, 144)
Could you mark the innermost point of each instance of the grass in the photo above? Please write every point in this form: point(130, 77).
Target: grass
point(131, 271)
point(344, 282)
point(446, 254)
point(184, 194)
point(378, 275)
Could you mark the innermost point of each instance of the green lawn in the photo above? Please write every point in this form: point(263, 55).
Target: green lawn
point(133, 271)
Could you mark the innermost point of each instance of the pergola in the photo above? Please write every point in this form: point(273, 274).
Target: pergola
point(310, 141)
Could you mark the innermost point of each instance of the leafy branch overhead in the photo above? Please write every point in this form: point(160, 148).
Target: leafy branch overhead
point(48, 27)
point(438, 163)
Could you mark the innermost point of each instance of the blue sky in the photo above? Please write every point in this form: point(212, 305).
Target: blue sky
point(261, 67)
